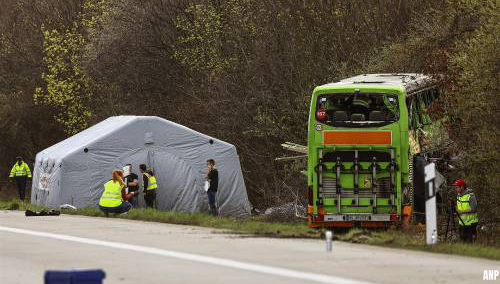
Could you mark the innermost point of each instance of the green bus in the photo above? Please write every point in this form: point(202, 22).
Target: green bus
point(362, 136)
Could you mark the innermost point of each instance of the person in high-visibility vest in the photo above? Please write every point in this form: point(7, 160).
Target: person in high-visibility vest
point(114, 198)
point(467, 210)
point(150, 185)
point(20, 172)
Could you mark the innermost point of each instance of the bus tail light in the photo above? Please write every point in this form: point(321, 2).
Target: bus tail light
point(319, 218)
point(394, 217)
point(321, 214)
point(321, 114)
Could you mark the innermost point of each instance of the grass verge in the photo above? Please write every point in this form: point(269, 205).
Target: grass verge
point(413, 238)
point(254, 225)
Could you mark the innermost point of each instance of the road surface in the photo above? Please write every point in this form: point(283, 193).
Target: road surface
point(145, 252)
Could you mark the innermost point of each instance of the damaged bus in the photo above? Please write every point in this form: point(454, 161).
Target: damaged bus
point(362, 135)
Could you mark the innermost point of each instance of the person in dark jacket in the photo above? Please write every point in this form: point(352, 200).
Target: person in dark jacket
point(150, 186)
point(212, 176)
point(131, 180)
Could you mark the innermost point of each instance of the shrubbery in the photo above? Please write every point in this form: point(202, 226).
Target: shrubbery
point(242, 71)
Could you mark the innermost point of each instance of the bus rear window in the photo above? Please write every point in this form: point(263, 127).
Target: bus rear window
point(357, 109)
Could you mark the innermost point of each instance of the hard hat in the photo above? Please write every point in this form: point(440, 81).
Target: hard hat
point(459, 182)
point(19, 158)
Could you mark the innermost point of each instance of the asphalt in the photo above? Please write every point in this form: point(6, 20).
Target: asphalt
point(145, 252)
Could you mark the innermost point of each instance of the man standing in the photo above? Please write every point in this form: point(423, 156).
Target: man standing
point(133, 186)
point(467, 210)
point(20, 172)
point(212, 176)
point(150, 186)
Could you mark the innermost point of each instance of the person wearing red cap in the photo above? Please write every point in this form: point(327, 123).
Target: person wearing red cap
point(467, 210)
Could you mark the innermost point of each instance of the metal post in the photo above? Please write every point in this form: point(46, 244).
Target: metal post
point(337, 183)
point(374, 184)
point(430, 204)
point(356, 177)
point(392, 175)
point(328, 236)
point(320, 175)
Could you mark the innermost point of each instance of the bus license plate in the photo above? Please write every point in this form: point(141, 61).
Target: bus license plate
point(357, 217)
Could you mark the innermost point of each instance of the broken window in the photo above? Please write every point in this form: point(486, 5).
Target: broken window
point(357, 109)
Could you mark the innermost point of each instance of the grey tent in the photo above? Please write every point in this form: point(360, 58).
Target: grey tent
point(74, 171)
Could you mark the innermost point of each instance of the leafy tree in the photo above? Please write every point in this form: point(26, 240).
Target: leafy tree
point(459, 41)
point(243, 71)
point(67, 86)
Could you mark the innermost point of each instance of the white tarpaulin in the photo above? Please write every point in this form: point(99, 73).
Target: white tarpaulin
point(74, 171)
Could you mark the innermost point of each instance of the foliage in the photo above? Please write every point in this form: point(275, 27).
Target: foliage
point(414, 239)
point(200, 48)
point(24, 125)
point(66, 84)
point(243, 71)
point(474, 107)
point(459, 41)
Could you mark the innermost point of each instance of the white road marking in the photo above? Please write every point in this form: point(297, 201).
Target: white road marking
point(321, 278)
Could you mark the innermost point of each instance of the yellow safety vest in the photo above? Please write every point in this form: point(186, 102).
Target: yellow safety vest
point(112, 195)
point(20, 170)
point(463, 204)
point(151, 182)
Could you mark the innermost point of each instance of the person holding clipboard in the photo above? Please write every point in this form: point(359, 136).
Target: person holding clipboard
point(211, 185)
point(131, 180)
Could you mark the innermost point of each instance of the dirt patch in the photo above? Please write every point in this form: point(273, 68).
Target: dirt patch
point(8, 190)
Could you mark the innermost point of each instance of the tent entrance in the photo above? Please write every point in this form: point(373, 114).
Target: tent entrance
point(180, 186)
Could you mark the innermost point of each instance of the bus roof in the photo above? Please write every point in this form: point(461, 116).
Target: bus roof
point(412, 82)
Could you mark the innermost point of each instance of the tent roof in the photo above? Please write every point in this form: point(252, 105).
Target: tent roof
point(105, 128)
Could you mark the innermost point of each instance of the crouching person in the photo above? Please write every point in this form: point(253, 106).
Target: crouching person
point(114, 198)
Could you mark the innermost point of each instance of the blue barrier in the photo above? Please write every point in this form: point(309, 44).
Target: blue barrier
point(90, 276)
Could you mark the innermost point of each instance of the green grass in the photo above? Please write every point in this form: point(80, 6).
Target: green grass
point(255, 225)
point(413, 238)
